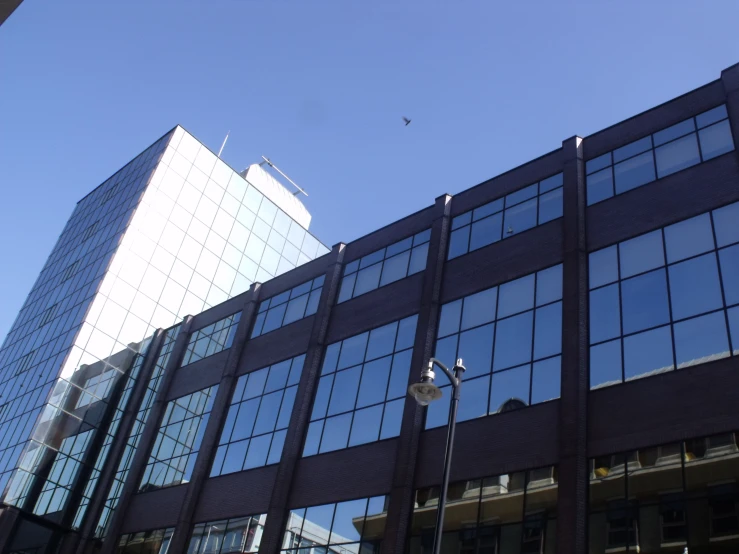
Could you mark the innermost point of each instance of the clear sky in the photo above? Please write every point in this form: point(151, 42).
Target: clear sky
point(320, 87)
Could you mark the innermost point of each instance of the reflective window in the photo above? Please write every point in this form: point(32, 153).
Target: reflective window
point(240, 534)
point(510, 340)
point(288, 306)
point(362, 388)
point(511, 513)
point(505, 217)
point(212, 339)
point(146, 542)
point(659, 301)
point(352, 527)
point(382, 267)
point(686, 144)
point(257, 420)
point(178, 441)
point(676, 497)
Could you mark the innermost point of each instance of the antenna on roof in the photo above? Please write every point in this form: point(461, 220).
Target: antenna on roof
point(277, 169)
point(224, 143)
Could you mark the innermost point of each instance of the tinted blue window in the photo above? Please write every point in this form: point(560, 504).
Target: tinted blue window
point(600, 185)
point(478, 309)
point(391, 419)
point(632, 149)
point(521, 195)
point(418, 259)
point(730, 273)
point(725, 223)
point(604, 314)
point(374, 382)
point(458, 242)
point(546, 380)
point(486, 231)
point(353, 350)
point(336, 433)
point(256, 456)
point(671, 133)
point(461, 220)
point(520, 217)
point(347, 287)
point(701, 339)
point(450, 317)
point(644, 301)
point(475, 398)
point(605, 364)
point(487, 209)
point(516, 296)
point(634, 172)
point(381, 341)
point(711, 116)
point(716, 140)
point(694, 287)
point(367, 279)
point(549, 285)
point(548, 331)
point(598, 163)
point(733, 314)
point(513, 341)
point(689, 238)
point(366, 425)
point(641, 254)
point(399, 374)
point(512, 384)
point(603, 266)
point(550, 206)
point(395, 268)
point(648, 353)
point(344, 394)
point(551, 183)
point(475, 348)
point(437, 413)
point(677, 155)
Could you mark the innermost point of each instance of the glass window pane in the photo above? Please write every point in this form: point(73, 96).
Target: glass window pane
point(733, 314)
point(268, 411)
point(701, 339)
point(352, 350)
point(277, 376)
point(550, 206)
point(475, 398)
point(367, 279)
point(551, 183)
point(513, 341)
point(548, 331)
point(346, 527)
point(486, 231)
point(336, 433)
point(419, 254)
point(458, 242)
point(730, 273)
point(549, 285)
point(461, 220)
point(366, 425)
point(716, 140)
point(347, 287)
point(392, 419)
point(487, 209)
point(605, 314)
point(724, 222)
point(313, 438)
point(344, 394)
point(600, 186)
point(319, 517)
point(400, 374)
point(689, 238)
point(510, 389)
point(546, 380)
point(245, 420)
point(479, 308)
point(255, 383)
point(275, 449)
point(520, 218)
point(446, 349)
point(374, 382)
point(694, 287)
point(398, 247)
point(372, 258)
point(678, 130)
point(521, 195)
point(287, 407)
point(437, 413)
point(516, 296)
point(423, 236)
point(603, 267)
point(256, 456)
point(235, 457)
point(641, 254)
point(711, 116)
point(598, 163)
point(632, 149)
point(450, 318)
point(320, 404)
point(677, 155)
point(605, 364)
point(644, 301)
point(634, 172)
point(476, 350)
point(406, 333)
point(381, 341)
point(395, 268)
point(295, 309)
point(648, 353)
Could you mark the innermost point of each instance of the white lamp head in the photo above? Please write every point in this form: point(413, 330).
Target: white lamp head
point(425, 390)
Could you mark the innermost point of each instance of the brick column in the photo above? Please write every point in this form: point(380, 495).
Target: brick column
point(293, 449)
point(400, 508)
point(572, 507)
point(216, 420)
point(147, 437)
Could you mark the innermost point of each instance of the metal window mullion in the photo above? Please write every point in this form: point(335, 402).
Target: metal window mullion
point(721, 284)
point(669, 299)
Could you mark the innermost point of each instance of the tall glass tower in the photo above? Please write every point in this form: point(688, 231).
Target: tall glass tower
point(172, 233)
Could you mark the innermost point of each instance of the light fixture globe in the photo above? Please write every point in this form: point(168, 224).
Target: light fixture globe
point(424, 392)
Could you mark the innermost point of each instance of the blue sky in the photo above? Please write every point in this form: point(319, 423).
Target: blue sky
point(320, 87)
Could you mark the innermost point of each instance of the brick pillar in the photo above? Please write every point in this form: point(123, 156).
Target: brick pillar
point(147, 437)
point(293, 449)
point(216, 420)
point(400, 508)
point(572, 507)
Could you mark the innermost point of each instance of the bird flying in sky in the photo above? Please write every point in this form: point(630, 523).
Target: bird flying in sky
point(407, 121)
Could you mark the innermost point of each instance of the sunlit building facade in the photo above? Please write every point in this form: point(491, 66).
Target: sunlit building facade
point(591, 292)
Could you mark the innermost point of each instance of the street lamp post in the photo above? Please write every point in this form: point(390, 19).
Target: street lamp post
point(425, 391)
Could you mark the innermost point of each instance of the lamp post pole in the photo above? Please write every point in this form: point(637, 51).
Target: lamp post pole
point(424, 392)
